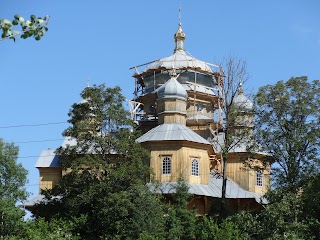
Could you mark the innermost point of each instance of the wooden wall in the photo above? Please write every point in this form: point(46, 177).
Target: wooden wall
point(245, 176)
point(49, 177)
point(204, 205)
point(171, 111)
point(181, 157)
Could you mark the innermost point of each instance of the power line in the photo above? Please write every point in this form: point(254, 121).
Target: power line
point(30, 185)
point(39, 141)
point(33, 125)
point(37, 156)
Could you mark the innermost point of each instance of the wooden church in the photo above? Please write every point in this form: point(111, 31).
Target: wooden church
point(177, 105)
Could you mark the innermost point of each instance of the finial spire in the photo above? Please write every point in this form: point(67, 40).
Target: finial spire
point(173, 73)
point(88, 82)
point(240, 89)
point(179, 36)
point(180, 15)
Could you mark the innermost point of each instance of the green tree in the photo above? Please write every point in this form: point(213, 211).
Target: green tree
point(104, 190)
point(13, 178)
point(207, 228)
point(287, 128)
point(310, 198)
point(282, 219)
point(236, 134)
point(40, 229)
point(180, 221)
point(35, 27)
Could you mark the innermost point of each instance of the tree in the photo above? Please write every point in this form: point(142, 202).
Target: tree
point(310, 199)
point(287, 128)
point(40, 229)
point(183, 223)
point(235, 74)
point(281, 219)
point(180, 221)
point(13, 177)
point(104, 190)
point(35, 27)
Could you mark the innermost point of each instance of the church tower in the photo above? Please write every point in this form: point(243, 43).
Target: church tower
point(178, 108)
point(176, 151)
point(200, 79)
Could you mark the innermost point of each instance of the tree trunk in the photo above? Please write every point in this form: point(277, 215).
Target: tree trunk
point(223, 206)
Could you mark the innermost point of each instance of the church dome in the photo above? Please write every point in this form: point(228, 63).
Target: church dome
point(180, 59)
point(241, 101)
point(190, 69)
point(172, 89)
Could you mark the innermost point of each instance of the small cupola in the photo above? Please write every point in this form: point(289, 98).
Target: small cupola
point(241, 102)
point(172, 89)
point(172, 101)
point(179, 38)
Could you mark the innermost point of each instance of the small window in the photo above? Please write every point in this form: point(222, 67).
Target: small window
point(259, 179)
point(195, 167)
point(166, 165)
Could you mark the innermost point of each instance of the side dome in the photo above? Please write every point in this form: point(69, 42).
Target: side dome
point(172, 89)
point(241, 102)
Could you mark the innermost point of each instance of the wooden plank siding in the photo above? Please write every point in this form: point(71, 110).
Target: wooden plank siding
point(246, 176)
point(181, 158)
point(49, 177)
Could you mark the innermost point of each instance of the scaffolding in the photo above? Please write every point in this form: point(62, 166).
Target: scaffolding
point(137, 108)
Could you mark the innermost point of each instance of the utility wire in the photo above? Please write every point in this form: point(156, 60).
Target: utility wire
point(33, 125)
point(39, 141)
point(37, 156)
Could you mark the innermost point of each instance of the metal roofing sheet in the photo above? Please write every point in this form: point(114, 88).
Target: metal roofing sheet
point(31, 202)
point(48, 158)
point(213, 189)
point(172, 132)
point(242, 102)
point(37, 199)
point(179, 60)
point(172, 88)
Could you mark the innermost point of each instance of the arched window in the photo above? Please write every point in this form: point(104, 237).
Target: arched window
point(195, 167)
point(166, 165)
point(259, 178)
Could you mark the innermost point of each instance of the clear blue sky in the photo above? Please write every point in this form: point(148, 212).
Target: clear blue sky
point(101, 40)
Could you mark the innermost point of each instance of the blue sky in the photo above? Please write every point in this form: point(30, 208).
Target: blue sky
point(100, 40)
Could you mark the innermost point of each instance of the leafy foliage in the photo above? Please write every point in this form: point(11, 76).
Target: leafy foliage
point(288, 129)
point(40, 229)
point(310, 199)
point(12, 180)
point(282, 219)
point(103, 193)
point(104, 189)
point(35, 27)
point(180, 222)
